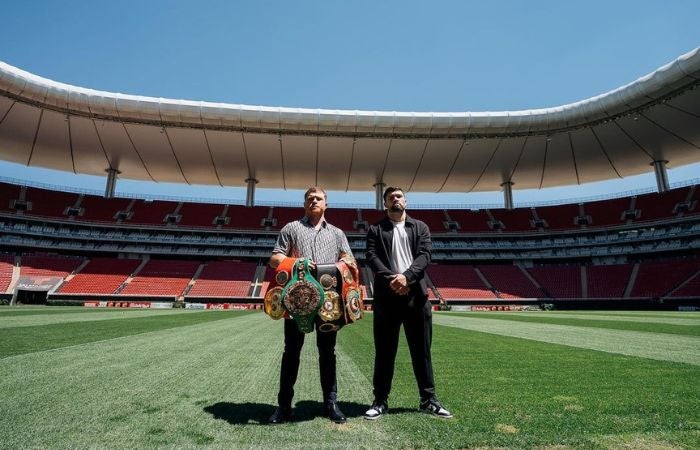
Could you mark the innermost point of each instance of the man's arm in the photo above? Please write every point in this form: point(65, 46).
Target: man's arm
point(373, 248)
point(282, 247)
point(276, 259)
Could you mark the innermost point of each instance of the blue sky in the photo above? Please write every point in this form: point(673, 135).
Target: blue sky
point(370, 55)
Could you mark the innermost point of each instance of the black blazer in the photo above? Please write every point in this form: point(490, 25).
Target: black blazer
point(379, 240)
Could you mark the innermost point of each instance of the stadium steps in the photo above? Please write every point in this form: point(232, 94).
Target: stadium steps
point(258, 279)
point(72, 275)
point(632, 281)
point(584, 282)
point(193, 280)
point(15, 275)
point(683, 284)
point(132, 276)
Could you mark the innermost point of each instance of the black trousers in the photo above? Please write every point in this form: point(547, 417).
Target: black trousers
point(414, 312)
point(293, 342)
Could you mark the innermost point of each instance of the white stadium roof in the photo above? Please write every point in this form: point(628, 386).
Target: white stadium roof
point(620, 133)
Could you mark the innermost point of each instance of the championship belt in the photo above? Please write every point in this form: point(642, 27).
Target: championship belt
point(273, 296)
point(303, 296)
point(352, 294)
point(331, 315)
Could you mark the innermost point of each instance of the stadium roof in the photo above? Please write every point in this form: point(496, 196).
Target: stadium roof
point(620, 133)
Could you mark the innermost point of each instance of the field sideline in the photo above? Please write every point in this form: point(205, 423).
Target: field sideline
point(74, 377)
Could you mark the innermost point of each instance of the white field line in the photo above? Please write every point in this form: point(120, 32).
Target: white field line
point(659, 346)
point(50, 319)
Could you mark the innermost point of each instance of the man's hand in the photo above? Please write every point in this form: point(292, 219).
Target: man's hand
point(399, 284)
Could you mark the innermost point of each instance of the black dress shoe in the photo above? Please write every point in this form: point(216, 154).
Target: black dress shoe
point(334, 413)
point(281, 415)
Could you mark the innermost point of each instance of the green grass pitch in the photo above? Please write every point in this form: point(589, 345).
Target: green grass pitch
point(82, 378)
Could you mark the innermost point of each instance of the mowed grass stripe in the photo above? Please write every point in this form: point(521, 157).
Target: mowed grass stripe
point(29, 339)
point(516, 393)
point(210, 384)
point(35, 319)
point(646, 325)
point(686, 314)
point(679, 318)
point(662, 347)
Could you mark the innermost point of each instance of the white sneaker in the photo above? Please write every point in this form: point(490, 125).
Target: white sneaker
point(435, 408)
point(376, 411)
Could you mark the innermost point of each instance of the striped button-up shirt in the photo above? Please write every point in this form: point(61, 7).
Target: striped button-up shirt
point(299, 239)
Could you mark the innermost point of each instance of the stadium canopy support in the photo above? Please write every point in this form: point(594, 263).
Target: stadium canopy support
point(111, 182)
point(661, 175)
point(507, 194)
point(250, 193)
point(379, 199)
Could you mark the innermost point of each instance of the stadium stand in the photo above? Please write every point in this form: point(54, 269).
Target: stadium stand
point(470, 221)
point(690, 289)
point(559, 281)
point(607, 212)
point(162, 277)
point(9, 193)
point(100, 276)
point(607, 281)
point(151, 212)
point(459, 282)
point(372, 216)
point(241, 217)
point(514, 220)
point(510, 282)
point(656, 206)
point(639, 248)
point(284, 215)
point(199, 214)
point(342, 218)
point(47, 203)
point(7, 263)
point(658, 278)
point(49, 266)
point(102, 209)
point(224, 279)
point(558, 217)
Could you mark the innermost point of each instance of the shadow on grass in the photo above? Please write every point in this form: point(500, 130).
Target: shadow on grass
point(304, 411)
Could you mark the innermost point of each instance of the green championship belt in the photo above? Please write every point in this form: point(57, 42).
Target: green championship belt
point(303, 296)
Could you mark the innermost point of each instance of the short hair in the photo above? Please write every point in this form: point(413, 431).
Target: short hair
point(315, 189)
point(391, 189)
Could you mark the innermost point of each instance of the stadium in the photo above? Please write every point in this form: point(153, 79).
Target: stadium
point(137, 321)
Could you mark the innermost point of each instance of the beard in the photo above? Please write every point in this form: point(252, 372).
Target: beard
point(397, 207)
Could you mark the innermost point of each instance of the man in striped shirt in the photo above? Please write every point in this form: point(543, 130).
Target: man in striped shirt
point(310, 237)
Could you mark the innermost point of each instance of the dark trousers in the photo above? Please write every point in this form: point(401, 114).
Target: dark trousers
point(414, 312)
point(293, 342)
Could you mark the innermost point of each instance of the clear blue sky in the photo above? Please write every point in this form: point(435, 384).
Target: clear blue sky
point(371, 55)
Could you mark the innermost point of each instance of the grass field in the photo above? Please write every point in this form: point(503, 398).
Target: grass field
point(78, 378)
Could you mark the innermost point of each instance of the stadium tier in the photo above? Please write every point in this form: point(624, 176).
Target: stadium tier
point(510, 282)
point(657, 279)
point(224, 279)
point(100, 276)
point(558, 281)
point(48, 266)
point(608, 281)
point(7, 264)
point(637, 248)
point(161, 277)
point(459, 282)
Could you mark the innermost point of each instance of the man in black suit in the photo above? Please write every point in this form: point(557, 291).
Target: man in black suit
point(398, 251)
